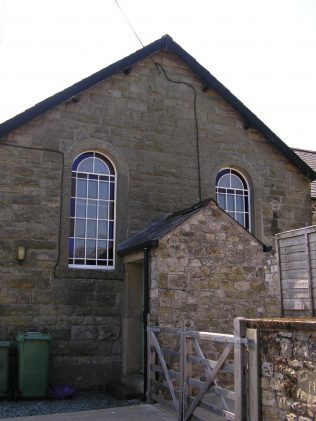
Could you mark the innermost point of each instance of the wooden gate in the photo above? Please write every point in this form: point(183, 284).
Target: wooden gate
point(203, 375)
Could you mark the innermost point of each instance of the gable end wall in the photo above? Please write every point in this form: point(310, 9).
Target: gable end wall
point(210, 270)
point(146, 125)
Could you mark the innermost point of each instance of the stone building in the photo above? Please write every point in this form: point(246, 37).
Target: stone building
point(310, 158)
point(87, 168)
point(203, 268)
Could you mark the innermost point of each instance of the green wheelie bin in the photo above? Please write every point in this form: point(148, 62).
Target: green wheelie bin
point(33, 362)
point(4, 368)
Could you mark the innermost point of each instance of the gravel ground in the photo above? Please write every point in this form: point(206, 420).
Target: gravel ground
point(84, 401)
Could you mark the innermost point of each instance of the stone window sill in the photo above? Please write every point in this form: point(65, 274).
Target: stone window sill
point(65, 272)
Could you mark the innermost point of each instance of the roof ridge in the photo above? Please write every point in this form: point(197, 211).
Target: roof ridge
point(164, 43)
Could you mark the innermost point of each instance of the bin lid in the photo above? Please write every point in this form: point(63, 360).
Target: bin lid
point(31, 336)
point(4, 344)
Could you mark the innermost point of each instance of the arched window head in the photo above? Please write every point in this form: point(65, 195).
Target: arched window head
point(233, 195)
point(92, 213)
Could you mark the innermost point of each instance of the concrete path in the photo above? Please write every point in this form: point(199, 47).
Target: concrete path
point(146, 412)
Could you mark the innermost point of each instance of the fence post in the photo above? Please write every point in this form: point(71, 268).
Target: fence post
point(310, 277)
point(182, 371)
point(253, 376)
point(150, 360)
point(239, 332)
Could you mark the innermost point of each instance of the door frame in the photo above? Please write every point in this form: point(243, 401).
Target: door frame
point(133, 293)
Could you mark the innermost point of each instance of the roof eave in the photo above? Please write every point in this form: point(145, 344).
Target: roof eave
point(141, 246)
point(211, 82)
point(68, 93)
point(164, 43)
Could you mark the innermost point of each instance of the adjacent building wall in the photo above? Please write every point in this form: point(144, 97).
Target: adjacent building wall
point(210, 270)
point(146, 125)
point(287, 369)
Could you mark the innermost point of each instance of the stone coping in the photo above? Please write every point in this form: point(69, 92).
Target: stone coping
point(286, 323)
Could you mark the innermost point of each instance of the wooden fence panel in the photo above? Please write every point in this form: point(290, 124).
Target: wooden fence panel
point(297, 267)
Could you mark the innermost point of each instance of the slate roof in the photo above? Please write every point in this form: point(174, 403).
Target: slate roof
point(209, 81)
point(310, 158)
point(149, 236)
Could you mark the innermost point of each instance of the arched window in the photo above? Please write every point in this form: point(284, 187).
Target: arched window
point(92, 213)
point(232, 195)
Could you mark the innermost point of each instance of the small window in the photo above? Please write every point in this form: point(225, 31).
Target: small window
point(232, 195)
point(92, 213)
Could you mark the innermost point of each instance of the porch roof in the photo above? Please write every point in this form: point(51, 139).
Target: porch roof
point(149, 236)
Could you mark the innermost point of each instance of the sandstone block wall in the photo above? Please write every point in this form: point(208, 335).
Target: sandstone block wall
point(288, 369)
point(210, 270)
point(146, 126)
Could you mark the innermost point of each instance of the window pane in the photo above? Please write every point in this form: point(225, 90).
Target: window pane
point(102, 249)
point(80, 226)
point(79, 248)
point(247, 221)
point(224, 181)
point(246, 204)
point(103, 190)
point(110, 249)
point(100, 167)
point(111, 229)
point(230, 202)
point(240, 218)
point(92, 208)
point(112, 191)
point(73, 187)
point(91, 249)
point(221, 200)
point(92, 189)
point(80, 208)
point(71, 229)
point(82, 175)
point(72, 207)
point(103, 210)
point(71, 247)
point(91, 228)
point(103, 229)
point(81, 188)
point(86, 165)
point(111, 213)
point(240, 203)
point(236, 182)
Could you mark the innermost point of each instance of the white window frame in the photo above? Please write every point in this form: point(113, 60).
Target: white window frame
point(111, 180)
point(244, 193)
